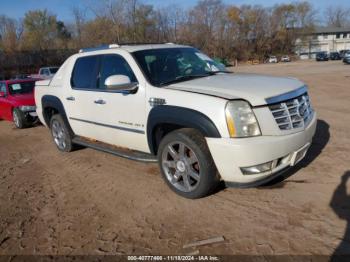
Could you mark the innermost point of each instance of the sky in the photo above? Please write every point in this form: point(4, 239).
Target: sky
point(62, 8)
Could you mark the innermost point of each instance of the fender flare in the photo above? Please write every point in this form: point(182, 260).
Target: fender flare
point(54, 102)
point(180, 116)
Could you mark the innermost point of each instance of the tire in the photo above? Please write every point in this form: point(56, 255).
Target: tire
point(19, 119)
point(60, 134)
point(186, 164)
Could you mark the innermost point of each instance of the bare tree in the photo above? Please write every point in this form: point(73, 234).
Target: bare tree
point(116, 12)
point(169, 20)
point(203, 24)
point(79, 15)
point(221, 30)
point(10, 33)
point(337, 16)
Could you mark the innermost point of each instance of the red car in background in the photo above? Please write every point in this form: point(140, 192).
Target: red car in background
point(17, 102)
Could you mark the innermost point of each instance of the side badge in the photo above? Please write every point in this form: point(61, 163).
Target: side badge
point(154, 101)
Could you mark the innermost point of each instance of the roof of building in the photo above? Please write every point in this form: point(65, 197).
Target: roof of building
point(330, 29)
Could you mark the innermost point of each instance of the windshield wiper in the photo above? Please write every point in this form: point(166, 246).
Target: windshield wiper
point(190, 77)
point(219, 71)
point(183, 78)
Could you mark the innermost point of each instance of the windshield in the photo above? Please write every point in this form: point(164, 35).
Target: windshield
point(21, 88)
point(53, 70)
point(169, 65)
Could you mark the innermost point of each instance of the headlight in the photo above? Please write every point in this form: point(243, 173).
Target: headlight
point(27, 108)
point(241, 121)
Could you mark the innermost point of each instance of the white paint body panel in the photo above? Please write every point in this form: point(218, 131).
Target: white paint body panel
point(208, 96)
point(250, 87)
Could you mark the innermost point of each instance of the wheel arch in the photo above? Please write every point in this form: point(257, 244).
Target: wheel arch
point(12, 106)
point(164, 119)
point(11, 110)
point(52, 105)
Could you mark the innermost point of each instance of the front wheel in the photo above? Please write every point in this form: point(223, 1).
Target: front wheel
point(186, 164)
point(19, 118)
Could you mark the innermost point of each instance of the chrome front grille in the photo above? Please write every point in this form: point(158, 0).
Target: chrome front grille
point(293, 113)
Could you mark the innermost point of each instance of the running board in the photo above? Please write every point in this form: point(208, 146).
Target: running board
point(117, 151)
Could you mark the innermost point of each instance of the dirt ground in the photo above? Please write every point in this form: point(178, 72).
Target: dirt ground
point(88, 202)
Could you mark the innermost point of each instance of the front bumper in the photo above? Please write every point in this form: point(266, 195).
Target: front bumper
point(29, 111)
point(231, 154)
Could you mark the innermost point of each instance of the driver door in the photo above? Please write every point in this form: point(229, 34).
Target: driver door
point(122, 114)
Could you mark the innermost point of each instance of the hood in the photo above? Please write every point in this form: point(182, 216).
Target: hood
point(24, 99)
point(250, 87)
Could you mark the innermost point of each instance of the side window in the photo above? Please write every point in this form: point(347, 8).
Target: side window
point(114, 65)
point(85, 72)
point(46, 72)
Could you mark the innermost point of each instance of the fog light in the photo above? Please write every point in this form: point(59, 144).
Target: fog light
point(253, 170)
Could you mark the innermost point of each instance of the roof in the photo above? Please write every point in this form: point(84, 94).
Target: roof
point(331, 29)
point(133, 47)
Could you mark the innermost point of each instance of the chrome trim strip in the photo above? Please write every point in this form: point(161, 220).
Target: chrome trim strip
point(286, 96)
point(110, 126)
point(124, 92)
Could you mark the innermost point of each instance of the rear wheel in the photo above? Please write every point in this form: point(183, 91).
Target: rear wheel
point(186, 164)
point(60, 134)
point(19, 118)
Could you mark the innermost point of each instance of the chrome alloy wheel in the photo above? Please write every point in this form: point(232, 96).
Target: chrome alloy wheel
point(181, 166)
point(16, 119)
point(58, 134)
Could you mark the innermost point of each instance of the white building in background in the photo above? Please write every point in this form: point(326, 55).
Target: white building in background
point(323, 39)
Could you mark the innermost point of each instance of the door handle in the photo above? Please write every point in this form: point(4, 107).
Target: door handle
point(71, 98)
point(100, 102)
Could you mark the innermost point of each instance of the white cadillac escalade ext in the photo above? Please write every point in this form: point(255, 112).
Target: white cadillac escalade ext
point(175, 105)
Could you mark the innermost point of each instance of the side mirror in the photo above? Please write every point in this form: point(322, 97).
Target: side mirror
point(2, 94)
point(120, 83)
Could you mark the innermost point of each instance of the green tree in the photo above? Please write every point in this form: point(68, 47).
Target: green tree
point(42, 31)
